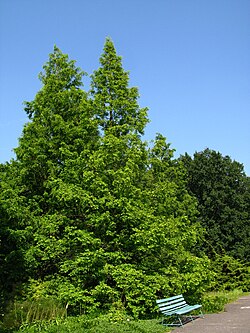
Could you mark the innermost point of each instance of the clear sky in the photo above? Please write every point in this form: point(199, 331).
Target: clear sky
point(190, 60)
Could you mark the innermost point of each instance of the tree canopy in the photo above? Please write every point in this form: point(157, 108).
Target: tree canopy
point(222, 189)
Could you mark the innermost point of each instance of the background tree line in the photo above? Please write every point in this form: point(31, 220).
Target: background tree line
point(94, 217)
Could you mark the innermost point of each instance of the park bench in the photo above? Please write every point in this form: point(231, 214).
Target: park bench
point(177, 308)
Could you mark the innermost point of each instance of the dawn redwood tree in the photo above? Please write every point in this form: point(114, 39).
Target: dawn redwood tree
point(122, 156)
point(222, 190)
point(115, 103)
point(145, 216)
point(52, 158)
point(61, 126)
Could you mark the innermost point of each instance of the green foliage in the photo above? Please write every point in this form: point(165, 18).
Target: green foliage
point(12, 238)
point(25, 312)
point(61, 132)
point(230, 273)
point(98, 325)
point(115, 103)
point(215, 301)
point(98, 219)
point(222, 190)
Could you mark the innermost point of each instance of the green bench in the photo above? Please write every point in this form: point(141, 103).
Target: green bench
point(176, 307)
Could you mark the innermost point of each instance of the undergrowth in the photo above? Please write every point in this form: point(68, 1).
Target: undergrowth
point(215, 301)
point(118, 322)
point(82, 324)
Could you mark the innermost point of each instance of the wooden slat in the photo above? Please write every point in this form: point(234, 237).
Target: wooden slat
point(173, 306)
point(169, 299)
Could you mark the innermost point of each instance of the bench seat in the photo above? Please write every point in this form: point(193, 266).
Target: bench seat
point(176, 307)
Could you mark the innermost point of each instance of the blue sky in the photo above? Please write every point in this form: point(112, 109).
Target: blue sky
point(189, 59)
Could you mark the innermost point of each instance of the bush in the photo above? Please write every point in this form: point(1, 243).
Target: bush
point(231, 274)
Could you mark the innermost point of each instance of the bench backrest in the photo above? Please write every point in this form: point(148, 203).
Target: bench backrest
point(169, 305)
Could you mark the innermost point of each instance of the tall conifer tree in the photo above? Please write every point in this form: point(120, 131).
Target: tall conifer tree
point(52, 158)
point(61, 126)
point(116, 103)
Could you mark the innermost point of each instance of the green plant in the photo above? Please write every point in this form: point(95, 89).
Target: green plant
point(231, 274)
point(29, 311)
point(100, 324)
point(216, 301)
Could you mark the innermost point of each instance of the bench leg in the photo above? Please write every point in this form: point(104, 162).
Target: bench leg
point(177, 322)
point(181, 324)
point(202, 315)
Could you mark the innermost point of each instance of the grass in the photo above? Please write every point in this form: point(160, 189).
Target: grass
point(82, 324)
point(213, 302)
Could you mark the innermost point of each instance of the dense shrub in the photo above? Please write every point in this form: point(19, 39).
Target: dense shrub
point(231, 274)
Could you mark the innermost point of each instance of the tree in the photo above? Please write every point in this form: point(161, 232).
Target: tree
point(114, 102)
point(61, 127)
point(222, 190)
point(130, 235)
point(52, 157)
point(12, 233)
